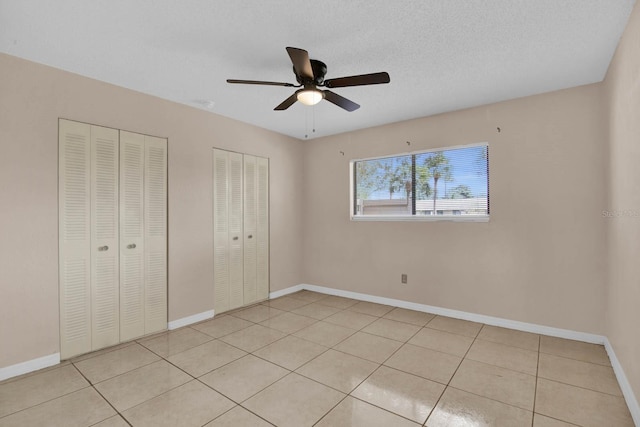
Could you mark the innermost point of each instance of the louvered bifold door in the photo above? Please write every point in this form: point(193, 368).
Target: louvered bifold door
point(132, 154)
point(236, 247)
point(155, 234)
point(220, 231)
point(250, 229)
point(262, 228)
point(104, 238)
point(74, 216)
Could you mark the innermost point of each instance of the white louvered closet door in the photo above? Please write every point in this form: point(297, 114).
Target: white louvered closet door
point(250, 229)
point(236, 244)
point(155, 234)
point(221, 245)
point(132, 304)
point(240, 229)
point(104, 238)
point(74, 206)
point(227, 231)
point(262, 228)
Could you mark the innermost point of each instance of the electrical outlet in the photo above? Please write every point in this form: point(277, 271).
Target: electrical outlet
point(403, 279)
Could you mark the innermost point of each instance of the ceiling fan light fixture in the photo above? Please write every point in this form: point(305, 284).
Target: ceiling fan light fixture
point(309, 96)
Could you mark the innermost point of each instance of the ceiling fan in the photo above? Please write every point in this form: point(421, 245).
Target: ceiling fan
point(310, 75)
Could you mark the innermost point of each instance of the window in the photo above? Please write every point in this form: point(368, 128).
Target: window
point(449, 183)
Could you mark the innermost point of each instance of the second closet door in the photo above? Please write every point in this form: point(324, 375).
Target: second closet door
point(240, 229)
point(143, 240)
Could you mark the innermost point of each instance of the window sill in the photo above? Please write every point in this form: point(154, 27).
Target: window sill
point(421, 218)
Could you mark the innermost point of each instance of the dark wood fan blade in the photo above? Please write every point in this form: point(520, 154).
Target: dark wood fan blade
point(260, 82)
point(361, 80)
point(340, 101)
point(287, 102)
point(301, 63)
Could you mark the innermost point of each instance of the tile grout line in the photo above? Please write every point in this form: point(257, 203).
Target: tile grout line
point(100, 394)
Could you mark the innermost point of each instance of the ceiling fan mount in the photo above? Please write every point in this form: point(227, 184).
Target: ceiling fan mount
point(310, 73)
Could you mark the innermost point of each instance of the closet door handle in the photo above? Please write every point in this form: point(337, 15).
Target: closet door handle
point(250, 236)
point(131, 246)
point(235, 238)
point(103, 248)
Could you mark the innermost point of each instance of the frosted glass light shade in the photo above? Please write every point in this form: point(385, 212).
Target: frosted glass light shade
point(309, 97)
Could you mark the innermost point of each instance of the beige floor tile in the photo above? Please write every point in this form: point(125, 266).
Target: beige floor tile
point(455, 326)
point(570, 349)
point(174, 342)
point(290, 352)
point(190, 405)
point(459, 408)
point(257, 313)
point(371, 347)
point(581, 406)
point(223, 325)
point(417, 318)
point(338, 370)
point(371, 308)
point(356, 413)
point(288, 322)
point(37, 388)
point(430, 364)
point(308, 296)
point(504, 385)
point(582, 374)
point(351, 319)
point(294, 401)
point(286, 303)
point(323, 333)
point(253, 337)
point(525, 340)
point(391, 329)
point(446, 342)
point(206, 357)
point(242, 378)
point(338, 302)
point(116, 421)
point(81, 408)
point(238, 417)
point(401, 393)
point(128, 390)
point(542, 421)
point(316, 311)
point(505, 356)
point(117, 362)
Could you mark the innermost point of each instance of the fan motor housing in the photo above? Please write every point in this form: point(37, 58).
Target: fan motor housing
point(319, 71)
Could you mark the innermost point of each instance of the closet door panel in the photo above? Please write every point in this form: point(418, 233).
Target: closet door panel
point(221, 294)
point(155, 234)
point(132, 154)
point(74, 206)
point(236, 249)
point(262, 228)
point(105, 329)
point(250, 222)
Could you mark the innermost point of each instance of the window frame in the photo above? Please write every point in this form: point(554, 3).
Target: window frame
point(419, 218)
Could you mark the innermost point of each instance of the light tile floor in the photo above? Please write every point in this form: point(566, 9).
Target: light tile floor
point(308, 359)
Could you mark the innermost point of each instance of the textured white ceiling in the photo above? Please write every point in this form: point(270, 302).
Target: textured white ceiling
point(442, 55)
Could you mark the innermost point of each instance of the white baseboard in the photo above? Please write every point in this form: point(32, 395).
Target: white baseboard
point(286, 291)
point(29, 366)
point(627, 391)
point(464, 315)
point(185, 321)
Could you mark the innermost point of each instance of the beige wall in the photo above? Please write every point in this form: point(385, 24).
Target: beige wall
point(540, 257)
point(32, 98)
point(622, 86)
